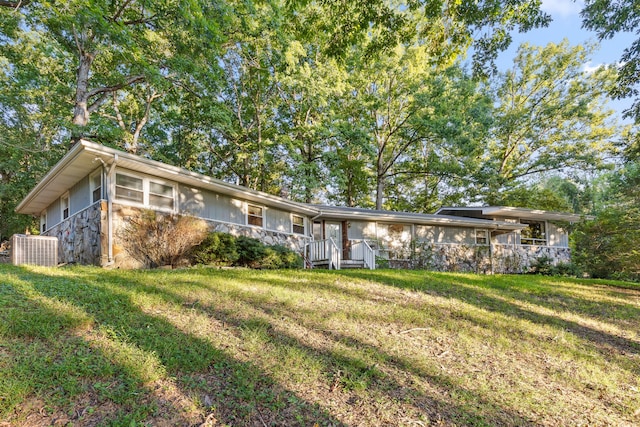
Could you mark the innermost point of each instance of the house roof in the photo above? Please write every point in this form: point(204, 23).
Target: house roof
point(510, 212)
point(345, 213)
point(86, 156)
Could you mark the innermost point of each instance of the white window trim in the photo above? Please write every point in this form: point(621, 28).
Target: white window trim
point(546, 234)
point(92, 188)
point(486, 236)
point(43, 222)
point(264, 212)
point(145, 192)
point(304, 225)
point(65, 196)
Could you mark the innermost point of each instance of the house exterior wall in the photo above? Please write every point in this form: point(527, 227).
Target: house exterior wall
point(209, 205)
point(122, 214)
point(81, 236)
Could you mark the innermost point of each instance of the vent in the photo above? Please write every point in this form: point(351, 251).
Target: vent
point(34, 250)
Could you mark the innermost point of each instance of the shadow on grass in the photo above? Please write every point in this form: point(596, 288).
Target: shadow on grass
point(243, 394)
point(354, 371)
point(476, 291)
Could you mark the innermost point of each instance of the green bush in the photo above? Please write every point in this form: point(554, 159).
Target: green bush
point(279, 256)
point(250, 252)
point(216, 249)
point(225, 249)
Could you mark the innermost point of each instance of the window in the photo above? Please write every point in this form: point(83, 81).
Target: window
point(145, 191)
point(298, 224)
point(129, 188)
point(482, 237)
point(160, 195)
point(254, 215)
point(64, 206)
point(43, 222)
point(95, 184)
point(534, 234)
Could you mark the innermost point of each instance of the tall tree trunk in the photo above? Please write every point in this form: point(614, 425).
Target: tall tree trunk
point(81, 108)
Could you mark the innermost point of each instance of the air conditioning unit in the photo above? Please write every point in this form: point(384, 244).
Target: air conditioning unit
point(34, 250)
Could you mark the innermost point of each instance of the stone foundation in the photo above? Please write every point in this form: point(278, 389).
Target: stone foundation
point(501, 259)
point(80, 236)
point(520, 259)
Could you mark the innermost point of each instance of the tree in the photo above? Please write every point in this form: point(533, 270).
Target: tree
point(607, 18)
point(103, 48)
point(550, 116)
point(604, 246)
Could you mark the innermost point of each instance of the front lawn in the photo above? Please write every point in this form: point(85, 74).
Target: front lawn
point(86, 346)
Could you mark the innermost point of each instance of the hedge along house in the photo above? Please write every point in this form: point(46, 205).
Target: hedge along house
point(87, 198)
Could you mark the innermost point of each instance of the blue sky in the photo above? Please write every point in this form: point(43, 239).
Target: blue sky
point(568, 24)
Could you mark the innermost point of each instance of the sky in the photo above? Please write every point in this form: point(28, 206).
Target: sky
point(568, 24)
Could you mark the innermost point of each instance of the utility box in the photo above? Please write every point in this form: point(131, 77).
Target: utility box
point(34, 250)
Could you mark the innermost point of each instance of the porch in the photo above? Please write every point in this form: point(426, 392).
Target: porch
point(327, 253)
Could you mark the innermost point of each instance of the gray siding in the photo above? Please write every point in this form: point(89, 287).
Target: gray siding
point(79, 196)
point(54, 216)
point(209, 205)
point(277, 220)
point(557, 236)
point(359, 230)
point(441, 234)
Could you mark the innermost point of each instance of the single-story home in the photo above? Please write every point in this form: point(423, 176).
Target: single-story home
point(90, 194)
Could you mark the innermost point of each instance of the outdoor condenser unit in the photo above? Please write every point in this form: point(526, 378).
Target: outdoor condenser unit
point(35, 250)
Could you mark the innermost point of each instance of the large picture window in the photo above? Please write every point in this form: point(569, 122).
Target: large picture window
point(255, 215)
point(145, 191)
point(534, 234)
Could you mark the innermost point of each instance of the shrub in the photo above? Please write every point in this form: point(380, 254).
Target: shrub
point(216, 249)
point(542, 265)
point(279, 256)
point(156, 240)
point(250, 251)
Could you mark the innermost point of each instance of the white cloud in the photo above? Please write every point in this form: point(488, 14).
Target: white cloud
point(562, 8)
point(588, 68)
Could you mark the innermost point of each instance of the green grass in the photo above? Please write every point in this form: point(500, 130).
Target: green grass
point(85, 346)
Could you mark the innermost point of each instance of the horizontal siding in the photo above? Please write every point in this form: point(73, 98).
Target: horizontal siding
point(359, 230)
point(209, 205)
point(79, 196)
point(557, 236)
point(440, 234)
point(278, 220)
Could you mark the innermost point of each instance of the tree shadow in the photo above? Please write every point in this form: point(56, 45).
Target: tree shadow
point(352, 370)
point(478, 293)
point(243, 393)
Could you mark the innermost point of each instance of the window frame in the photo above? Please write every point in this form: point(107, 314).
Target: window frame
point(294, 225)
point(534, 241)
point(261, 216)
point(65, 213)
point(92, 188)
point(146, 184)
point(43, 222)
point(476, 236)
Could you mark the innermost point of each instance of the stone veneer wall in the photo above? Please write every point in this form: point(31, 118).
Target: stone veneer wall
point(121, 214)
point(519, 259)
point(80, 237)
point(479, 259)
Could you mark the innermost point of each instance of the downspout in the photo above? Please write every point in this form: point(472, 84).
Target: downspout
point(110, 196)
